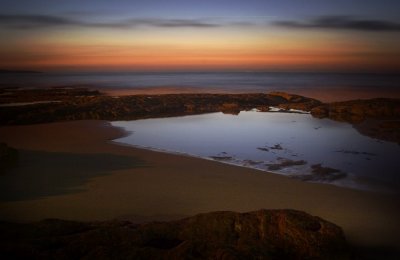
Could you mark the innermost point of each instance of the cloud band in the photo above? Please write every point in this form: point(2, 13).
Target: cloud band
point(341, 23)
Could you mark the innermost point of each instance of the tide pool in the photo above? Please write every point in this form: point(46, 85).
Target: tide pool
point(292, 144)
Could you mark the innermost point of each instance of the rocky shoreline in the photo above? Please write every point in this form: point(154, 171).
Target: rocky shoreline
point(378, 118)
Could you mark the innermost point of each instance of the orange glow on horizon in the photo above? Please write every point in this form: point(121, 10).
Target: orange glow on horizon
point(252, 51)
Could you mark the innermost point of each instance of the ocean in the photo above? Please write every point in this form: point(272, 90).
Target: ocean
point(323, 86)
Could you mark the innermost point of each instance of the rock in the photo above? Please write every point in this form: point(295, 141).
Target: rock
point(230, 108)
point(297, 106)
point(356, 111)
point(320, 111)
point(290, 97)
point(296, 102)
point(284, 164)
point(377, 118)
point(324, 174)
point(262, 234)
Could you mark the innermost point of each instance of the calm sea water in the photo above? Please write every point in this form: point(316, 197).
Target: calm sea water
point(325, 86)
point(261, 140)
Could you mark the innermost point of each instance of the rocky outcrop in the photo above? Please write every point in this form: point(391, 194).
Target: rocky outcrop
point(78, 104)
point(263, 234)
point(296, 102)
point(378, 118)
point(356, 111)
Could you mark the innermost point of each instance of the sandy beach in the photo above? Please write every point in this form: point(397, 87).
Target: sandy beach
point(129, 183)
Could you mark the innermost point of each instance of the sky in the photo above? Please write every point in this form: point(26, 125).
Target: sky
point(261, 35)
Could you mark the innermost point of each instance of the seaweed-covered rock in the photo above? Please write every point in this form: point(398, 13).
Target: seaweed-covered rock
point(262, 234)
point(320, 111)
point(356, 111)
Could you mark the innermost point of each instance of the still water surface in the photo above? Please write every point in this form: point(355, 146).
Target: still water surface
point(274, 142)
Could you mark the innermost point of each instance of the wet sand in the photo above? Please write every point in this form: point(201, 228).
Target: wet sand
point(143, 185)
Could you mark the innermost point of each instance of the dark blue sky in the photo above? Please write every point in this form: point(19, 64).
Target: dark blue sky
point(286, 9)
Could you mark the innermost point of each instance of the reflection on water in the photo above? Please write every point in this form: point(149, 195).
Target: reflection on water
point(297, 145)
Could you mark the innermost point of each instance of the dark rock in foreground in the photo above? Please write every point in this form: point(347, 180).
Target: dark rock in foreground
point(263, 234)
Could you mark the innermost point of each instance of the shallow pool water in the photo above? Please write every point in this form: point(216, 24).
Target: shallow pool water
point(297, 145)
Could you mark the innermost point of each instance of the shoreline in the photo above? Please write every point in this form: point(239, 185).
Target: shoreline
point(366, 188)
point(168, 187)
